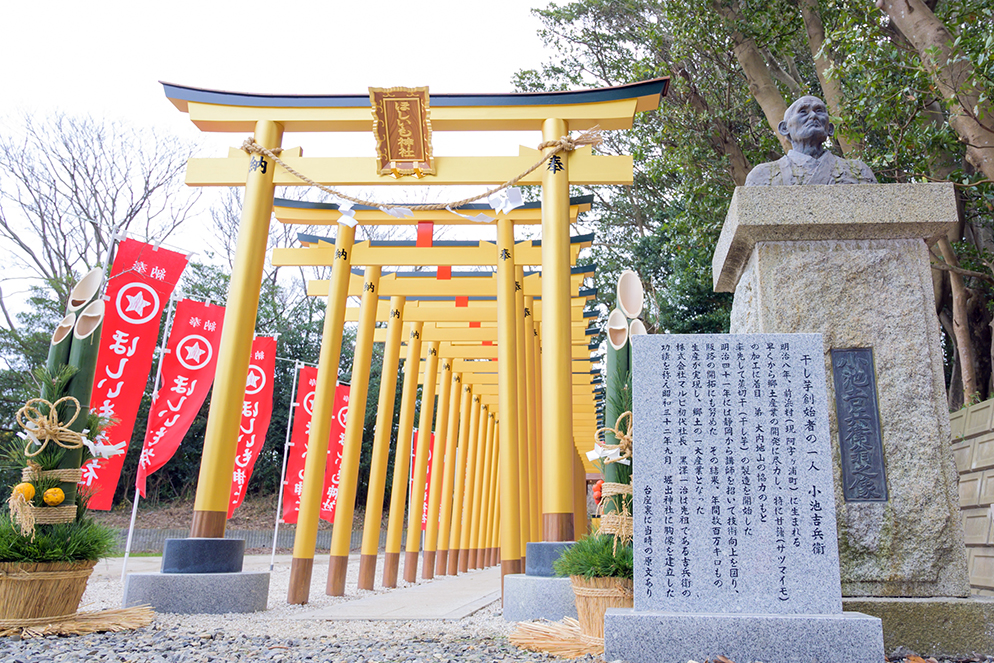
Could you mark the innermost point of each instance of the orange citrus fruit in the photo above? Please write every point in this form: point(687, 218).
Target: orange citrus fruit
point(54, 496)
point(26, 490)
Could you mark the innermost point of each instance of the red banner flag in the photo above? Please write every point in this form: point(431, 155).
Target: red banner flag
point(187, 375)
point(257, 410)
point(141, 281)
point(414, 463)
point(293, 484)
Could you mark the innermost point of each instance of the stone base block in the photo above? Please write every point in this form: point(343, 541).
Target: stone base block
point(653, 637)
point(940, 627)
point(535, 597)
point(203, 555)
point(541, 554)
point(198, 593)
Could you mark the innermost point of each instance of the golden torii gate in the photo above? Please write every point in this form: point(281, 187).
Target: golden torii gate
point(463, 341)
point(320, 252)
point(269, 116)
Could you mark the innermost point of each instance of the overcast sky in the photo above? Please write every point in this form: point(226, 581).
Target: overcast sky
point(106, 57)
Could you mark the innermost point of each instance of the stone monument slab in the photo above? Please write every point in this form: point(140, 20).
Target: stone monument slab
point(734, 517)
point(734, 511)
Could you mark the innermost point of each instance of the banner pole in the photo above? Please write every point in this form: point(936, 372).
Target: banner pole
point(109, 253)
point(131, 531)
point(158, 374)
point(286, 447)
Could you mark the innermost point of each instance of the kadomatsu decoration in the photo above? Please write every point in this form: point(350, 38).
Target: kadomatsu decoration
point(48, 547)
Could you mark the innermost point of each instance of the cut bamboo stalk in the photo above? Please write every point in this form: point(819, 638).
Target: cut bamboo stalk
point(617, 369)
point(58, 354)
point(82, 357)
point(617, 330)
point(85, 290)
point(630, 294)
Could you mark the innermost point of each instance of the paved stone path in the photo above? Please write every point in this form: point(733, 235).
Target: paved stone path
point(445, 598)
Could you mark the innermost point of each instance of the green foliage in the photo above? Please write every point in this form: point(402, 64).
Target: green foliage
point(710, 131)
point(82, 539)
point(24, 350)
point(620, 397)
point(15, 456)
point(664, 225)
point(620, 393)
point(594, 557)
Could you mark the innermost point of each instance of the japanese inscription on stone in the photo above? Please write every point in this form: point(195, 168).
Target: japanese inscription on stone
point(863, 476)
point(734, 503)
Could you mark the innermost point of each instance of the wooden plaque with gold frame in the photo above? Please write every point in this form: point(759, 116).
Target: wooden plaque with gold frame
point(402, 126)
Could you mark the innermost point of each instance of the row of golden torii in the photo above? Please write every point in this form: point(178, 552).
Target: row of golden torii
point(519, 423)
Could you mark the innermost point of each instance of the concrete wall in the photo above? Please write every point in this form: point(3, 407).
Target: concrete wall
point(973, 449)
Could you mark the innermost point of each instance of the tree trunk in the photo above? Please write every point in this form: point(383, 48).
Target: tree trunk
point(756, 71)
point(940, 286)
point(778, 73)
point(952, 74)
point(720, 137)
point(954, 389)
point(830, 87)
point(961, 324)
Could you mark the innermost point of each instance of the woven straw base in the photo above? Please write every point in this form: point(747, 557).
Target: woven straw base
point(563, 639)
point(43, 589)
point(594, 596)
point(80, 623)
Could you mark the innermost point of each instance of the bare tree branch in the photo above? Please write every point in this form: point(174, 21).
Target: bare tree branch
point(70, 185)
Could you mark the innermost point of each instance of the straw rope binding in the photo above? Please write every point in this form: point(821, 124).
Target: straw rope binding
point(35, 473)
point(565, 144)
point(604, 592)
point(21, 574)
point(619, 523)
point(28, 515)
point(624, 437)
point(42, 428)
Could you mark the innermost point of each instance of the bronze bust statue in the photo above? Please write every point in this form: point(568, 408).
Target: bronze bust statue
point(808, 162)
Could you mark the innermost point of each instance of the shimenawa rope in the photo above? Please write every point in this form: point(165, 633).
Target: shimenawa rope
point(624, 437)
point(565, 144)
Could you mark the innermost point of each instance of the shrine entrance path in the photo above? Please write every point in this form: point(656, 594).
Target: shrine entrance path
point(444, 598)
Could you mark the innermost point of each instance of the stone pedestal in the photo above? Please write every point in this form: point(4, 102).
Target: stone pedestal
point(534, 597)
point(653, 637)
point(537, 593)
point(852, 263)
point(941, 627)
point(200, 576)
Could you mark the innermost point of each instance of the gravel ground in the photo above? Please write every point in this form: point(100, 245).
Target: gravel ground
point(276, 635)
